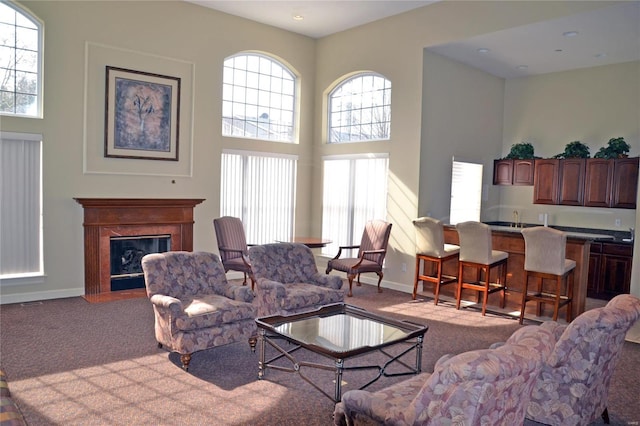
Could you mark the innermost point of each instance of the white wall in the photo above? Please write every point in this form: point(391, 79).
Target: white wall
point(159, 32)
point(462, 118)
point(180, 31)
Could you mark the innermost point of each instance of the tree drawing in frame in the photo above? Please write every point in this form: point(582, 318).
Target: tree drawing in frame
point(142, 115)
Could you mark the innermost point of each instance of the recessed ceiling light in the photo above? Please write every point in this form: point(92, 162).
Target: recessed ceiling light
point(522, 67)
point(298, 17)
point(600, 55)
point(570, 33)
point(483, 50)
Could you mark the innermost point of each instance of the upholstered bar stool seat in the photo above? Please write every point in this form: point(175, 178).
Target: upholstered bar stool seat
point(476, 253)
point(544, 259)
point(431, 251)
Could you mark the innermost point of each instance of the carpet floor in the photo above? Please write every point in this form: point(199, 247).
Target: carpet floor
point(70, 362)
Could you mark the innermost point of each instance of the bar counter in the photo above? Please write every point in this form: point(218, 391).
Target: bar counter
point(510, 240)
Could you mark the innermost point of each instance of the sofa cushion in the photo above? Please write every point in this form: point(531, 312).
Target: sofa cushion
point(302, 295)
point(211, 311)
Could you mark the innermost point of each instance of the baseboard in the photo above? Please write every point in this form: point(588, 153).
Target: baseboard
point(40, 295)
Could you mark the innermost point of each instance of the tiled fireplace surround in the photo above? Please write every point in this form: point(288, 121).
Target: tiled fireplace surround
point(128, 217)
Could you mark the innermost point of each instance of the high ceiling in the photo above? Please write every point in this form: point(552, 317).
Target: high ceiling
point(608, 35)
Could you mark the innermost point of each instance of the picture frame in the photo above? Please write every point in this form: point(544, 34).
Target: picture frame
point(142, 115)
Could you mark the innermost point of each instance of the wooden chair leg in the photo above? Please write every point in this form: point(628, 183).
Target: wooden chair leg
point(524, 296)
point(185, 359)
point(380, 275)
point(556, 305)
point(415, 281)
point(436, 290)
point(538, 303)
point(460, 279)
point(350, 279)
point(485, 298)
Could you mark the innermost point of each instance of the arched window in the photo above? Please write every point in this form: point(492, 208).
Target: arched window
point(258, 98)
point(20, 62)
point(360, 109)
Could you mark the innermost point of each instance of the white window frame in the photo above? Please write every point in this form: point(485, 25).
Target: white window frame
point(39, 26)
point(21, 245)
point(466, 191)
point(259, 98)
point(263, 199)
point(359, 109)
point(351, 199)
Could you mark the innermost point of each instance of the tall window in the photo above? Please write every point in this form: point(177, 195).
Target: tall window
point(20, 205)
point(20, 62)
point(258, 98)
point(355, 191)
point(360, 109)
point(260, 190)
point(466, 192)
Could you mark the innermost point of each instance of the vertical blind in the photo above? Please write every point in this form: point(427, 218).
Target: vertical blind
point(260, 190)
point(466, 192)
point(355, 191)
point(20, 204)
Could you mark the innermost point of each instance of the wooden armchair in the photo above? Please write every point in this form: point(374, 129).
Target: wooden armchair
point(371, 253)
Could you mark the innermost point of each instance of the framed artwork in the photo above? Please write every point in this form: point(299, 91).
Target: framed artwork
point(142, 115)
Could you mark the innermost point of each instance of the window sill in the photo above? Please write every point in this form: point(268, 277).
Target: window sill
point(34, 279)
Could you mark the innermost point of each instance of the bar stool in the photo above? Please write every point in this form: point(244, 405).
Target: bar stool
point(432, 251)
point(476, 252)
point(544, 258)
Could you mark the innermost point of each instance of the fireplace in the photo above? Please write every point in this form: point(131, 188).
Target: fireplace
point(120, 222)
point(126, 255)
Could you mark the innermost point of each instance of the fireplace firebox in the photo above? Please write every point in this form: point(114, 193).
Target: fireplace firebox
point(126, 255)
point(125, 219)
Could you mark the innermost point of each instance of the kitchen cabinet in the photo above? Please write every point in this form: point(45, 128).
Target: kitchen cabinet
point(609, 270)
point(571, 177)
point(546, 181)
point(513, 172)
point(592, 182)
point(599, 177)
point(625, 183)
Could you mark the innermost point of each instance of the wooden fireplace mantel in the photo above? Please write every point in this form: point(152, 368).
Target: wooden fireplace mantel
point(115, 217)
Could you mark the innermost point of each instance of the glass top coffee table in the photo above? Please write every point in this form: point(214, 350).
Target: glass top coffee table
point(339, 332)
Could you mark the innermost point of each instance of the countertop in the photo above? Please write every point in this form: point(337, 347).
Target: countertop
point(600, 235)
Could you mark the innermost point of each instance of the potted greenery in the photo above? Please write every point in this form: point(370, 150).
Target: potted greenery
point(575, 149)
point(521, 151)
point(616, 148)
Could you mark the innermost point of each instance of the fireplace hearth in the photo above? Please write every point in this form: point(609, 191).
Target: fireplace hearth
point(123, 220)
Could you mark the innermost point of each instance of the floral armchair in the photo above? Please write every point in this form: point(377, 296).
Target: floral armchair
point(481, 387)
point(287, 280)
point(195, 307)
point(573, 385)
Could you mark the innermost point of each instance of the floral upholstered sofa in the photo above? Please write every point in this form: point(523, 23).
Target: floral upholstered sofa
point(573, 385)
point(10, 414)
point(195, 307)
point(480, 387)
point(288, 281)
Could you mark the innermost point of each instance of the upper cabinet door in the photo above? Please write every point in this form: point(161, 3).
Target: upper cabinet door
point(502, 172)
point(625, 183)
point(572, 173)
point(546, 181)
point(523, 171)
point(599, 177)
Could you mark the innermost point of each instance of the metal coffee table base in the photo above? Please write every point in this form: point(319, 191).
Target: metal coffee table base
point(338, 363)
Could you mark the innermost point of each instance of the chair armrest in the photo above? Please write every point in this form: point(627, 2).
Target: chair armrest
point(346, 248)
point(167, 302)
point(331, 281)
point(241, 293)
point(379, 251)
point(444, 358)
point(266, 285)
